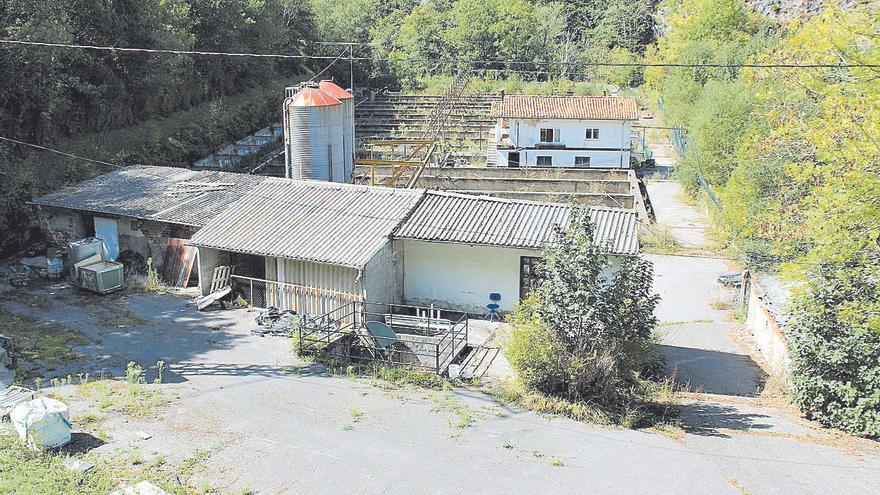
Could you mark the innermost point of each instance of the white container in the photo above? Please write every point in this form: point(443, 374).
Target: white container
point(43, 423)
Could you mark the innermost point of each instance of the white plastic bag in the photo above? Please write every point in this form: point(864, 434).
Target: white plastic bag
point(43, 423)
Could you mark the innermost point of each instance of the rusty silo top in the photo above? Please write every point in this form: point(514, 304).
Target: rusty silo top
point(333, 90)
point(311, 97)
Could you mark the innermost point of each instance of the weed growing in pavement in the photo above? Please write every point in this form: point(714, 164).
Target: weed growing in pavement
point(160, 365)
point(356, 414)
point(133, 397)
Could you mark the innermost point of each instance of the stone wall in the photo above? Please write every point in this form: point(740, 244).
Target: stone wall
point(147, 238)
point(763, 322)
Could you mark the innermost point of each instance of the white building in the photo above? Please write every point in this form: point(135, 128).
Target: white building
point(564, 131)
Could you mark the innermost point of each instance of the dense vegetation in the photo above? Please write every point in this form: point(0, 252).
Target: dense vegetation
point(793, 157)
point(412, 39)
point(130, 107)
point(585, 333)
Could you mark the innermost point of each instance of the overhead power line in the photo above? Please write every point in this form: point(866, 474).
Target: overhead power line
point(447, 60)
point(50, 150)
point(164, 51)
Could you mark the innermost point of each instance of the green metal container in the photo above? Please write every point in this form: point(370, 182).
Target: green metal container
point(102, 277)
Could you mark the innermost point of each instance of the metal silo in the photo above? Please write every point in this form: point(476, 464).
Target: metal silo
point(312, 136)
point(347, 100)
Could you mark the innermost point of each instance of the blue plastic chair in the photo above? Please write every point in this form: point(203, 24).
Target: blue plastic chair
point(495, 297)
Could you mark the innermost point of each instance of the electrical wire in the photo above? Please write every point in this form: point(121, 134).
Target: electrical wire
point(71, 155)
point(448, 60)
point(328, 66)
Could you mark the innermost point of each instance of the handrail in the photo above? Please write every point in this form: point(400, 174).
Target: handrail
point(296, 286)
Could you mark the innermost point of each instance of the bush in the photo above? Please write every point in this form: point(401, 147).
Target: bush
point(835, 350)
point(585, 334)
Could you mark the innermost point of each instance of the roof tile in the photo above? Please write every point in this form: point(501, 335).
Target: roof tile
point(567, 107)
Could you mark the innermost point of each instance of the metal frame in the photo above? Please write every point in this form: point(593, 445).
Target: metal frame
point(317, 333)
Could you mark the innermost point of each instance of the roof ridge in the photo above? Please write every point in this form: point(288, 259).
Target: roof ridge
point(340, 185)
point(486, 197)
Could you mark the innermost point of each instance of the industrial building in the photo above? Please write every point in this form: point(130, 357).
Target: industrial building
point(142, 212)
point(313, 246)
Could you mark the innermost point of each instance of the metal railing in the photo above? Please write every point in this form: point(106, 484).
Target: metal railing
point(431, 350)
point(302, 299)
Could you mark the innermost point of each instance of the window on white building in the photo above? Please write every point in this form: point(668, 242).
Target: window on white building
point(544, 161)
point(549, 135)
point(581, 161)
point(592, 134)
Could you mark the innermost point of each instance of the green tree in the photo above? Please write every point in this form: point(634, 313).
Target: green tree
point(585, 334)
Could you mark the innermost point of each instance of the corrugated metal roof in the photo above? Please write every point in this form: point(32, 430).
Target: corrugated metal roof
point(566, 107)
point(617, 227)
point(166, 194)
point(324, 222)
point(468, 219)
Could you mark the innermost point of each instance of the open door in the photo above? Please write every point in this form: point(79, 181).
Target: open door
point(107, 230)
point(513, 159)
point(528, 275)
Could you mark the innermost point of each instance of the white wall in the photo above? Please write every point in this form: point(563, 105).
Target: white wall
point(458, 276)
point(461, 277)
point(769, 338)
point(610, 150)
point(565, 158)
point(612, 133)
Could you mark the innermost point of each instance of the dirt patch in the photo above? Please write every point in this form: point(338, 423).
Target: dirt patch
point(40, 344)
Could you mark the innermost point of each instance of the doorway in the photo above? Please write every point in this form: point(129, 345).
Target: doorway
point(528, 275)
point(513, 159)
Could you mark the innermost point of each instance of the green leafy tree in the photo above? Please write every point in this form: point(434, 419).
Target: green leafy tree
point(585, 334)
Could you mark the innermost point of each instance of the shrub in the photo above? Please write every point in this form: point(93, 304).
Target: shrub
point(585, 333)
point(835, 349)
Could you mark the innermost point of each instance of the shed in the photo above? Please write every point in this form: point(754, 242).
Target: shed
point(146, 206)
point(309, 237)
point(458, 249)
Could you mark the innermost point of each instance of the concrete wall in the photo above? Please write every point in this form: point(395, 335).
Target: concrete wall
point(208, 260)
point(382, 278)
point(526, 184)
point(769, 337)
point(458, 276)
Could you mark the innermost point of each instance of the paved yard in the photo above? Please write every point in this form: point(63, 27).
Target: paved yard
point(261, 419)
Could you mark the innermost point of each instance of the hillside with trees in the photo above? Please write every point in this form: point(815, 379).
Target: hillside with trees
point(791, 155)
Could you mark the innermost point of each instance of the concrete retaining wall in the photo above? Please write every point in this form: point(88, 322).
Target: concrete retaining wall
point(769, 337)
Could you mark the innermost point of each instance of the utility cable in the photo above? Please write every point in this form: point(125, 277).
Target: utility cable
point(448, 60)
